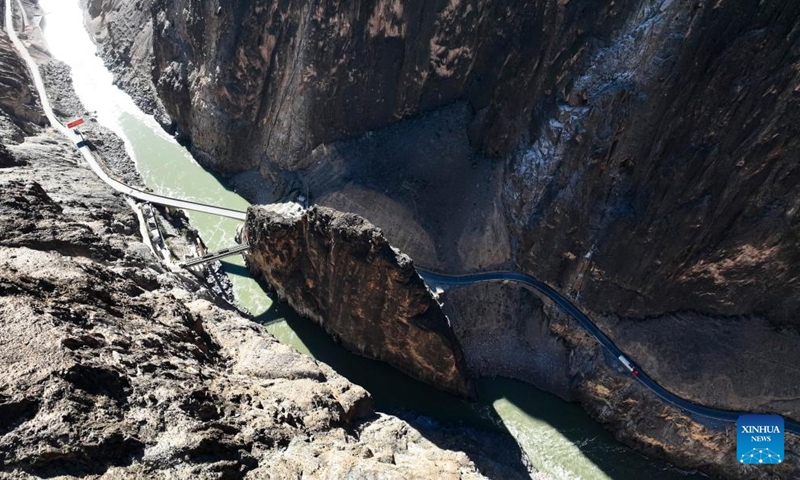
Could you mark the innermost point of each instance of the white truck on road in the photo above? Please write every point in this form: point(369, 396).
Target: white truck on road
point(634, 371)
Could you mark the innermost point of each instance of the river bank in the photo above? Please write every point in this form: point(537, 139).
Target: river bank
point(159, 174)
point(111, 364)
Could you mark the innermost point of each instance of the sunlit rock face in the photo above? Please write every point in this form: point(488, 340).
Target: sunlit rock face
point(639, 155)
point(666, 178)
point(288, 76)
point(18, 99)
point(338, 269)
point(113, 366)
point(645, 150)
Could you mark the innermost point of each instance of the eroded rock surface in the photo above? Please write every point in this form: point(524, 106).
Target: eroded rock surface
point(339, 270)
point(18, 98)
point(124, 34)
point(644, 156)
point(294, 75)
point(640, 418)
point(504, 332)
point(113, 366)
point(646, 148)
point(540, 340)
point(122, 371)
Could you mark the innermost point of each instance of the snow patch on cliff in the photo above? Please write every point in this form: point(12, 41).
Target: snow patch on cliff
point(641, 50)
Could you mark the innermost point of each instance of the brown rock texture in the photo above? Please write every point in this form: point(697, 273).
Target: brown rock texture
point(294, 75)
point(640, 418)
point(113, 366)
point(339, 270)
point(17, 96)
point(540, 340)
point(123, 31)
point(638, 155)
point(504, 332)
point(645, 149)
point(668, 178)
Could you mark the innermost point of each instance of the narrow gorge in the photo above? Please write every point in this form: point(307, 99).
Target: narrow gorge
point(638, 156)
point(115, 364)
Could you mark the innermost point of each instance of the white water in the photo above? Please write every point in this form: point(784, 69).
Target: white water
point(558, 437)
point(92, 81)
point(166, 167)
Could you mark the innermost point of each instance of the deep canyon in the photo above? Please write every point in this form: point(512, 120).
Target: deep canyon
point(116, 365)
point(640, 156)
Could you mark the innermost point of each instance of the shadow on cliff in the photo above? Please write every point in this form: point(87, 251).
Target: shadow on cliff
point(238, 270)
point(477, 428)
point(472, 425)
point(457, 423)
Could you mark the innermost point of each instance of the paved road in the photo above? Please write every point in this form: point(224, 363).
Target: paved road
point(435, 279)
point(430, 277)
point(82, 146)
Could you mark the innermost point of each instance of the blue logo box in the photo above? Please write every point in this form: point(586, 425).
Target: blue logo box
point(759, 439)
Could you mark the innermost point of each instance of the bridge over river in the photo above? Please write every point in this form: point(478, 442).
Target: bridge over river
point(633, 466)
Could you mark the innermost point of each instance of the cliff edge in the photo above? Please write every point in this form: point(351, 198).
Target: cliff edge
point(339, 270)
point(112, 365)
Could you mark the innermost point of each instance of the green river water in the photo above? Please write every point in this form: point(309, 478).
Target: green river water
point(558, 437)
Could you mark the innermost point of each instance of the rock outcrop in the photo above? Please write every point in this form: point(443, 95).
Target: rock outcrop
point(586, 104)
point(339, 270)
point(120, 370)
point(615, 140)
point(638, 155)
point(505, 332)
point(18, 99)
point(296, 75)
point(509, 330)
point(113, 365)
point(124, 33)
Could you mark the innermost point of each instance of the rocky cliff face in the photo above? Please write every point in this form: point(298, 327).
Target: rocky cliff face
point(124, 35)
point(119, 370)
point(509, 330)
point(666, 178)
point(21, 111)
point(655, 171)
point(339, 270)
point(656, 130)
point(297, 75)
point(110, 364)
point(640, 156)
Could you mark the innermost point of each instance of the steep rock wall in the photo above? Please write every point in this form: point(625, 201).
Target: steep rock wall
point(667, 178)
point(280, 78)
point(508, 330)
point(647, 147)
point(339, 270)
point(111, 365)
point(655, 174)
point(123, 31)
point(18, 99)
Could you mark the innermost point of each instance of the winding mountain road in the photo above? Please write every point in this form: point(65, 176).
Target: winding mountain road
point(451, 281)
point(84, 149)
point(433, 279)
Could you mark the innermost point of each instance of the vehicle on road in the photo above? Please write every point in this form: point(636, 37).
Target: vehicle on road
point(631, 367)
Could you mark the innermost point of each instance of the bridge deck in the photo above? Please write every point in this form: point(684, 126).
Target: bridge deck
point(210, 257)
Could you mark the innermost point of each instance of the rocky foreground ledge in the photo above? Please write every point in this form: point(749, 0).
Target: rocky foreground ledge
point(113, 366)
point(339, 270)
